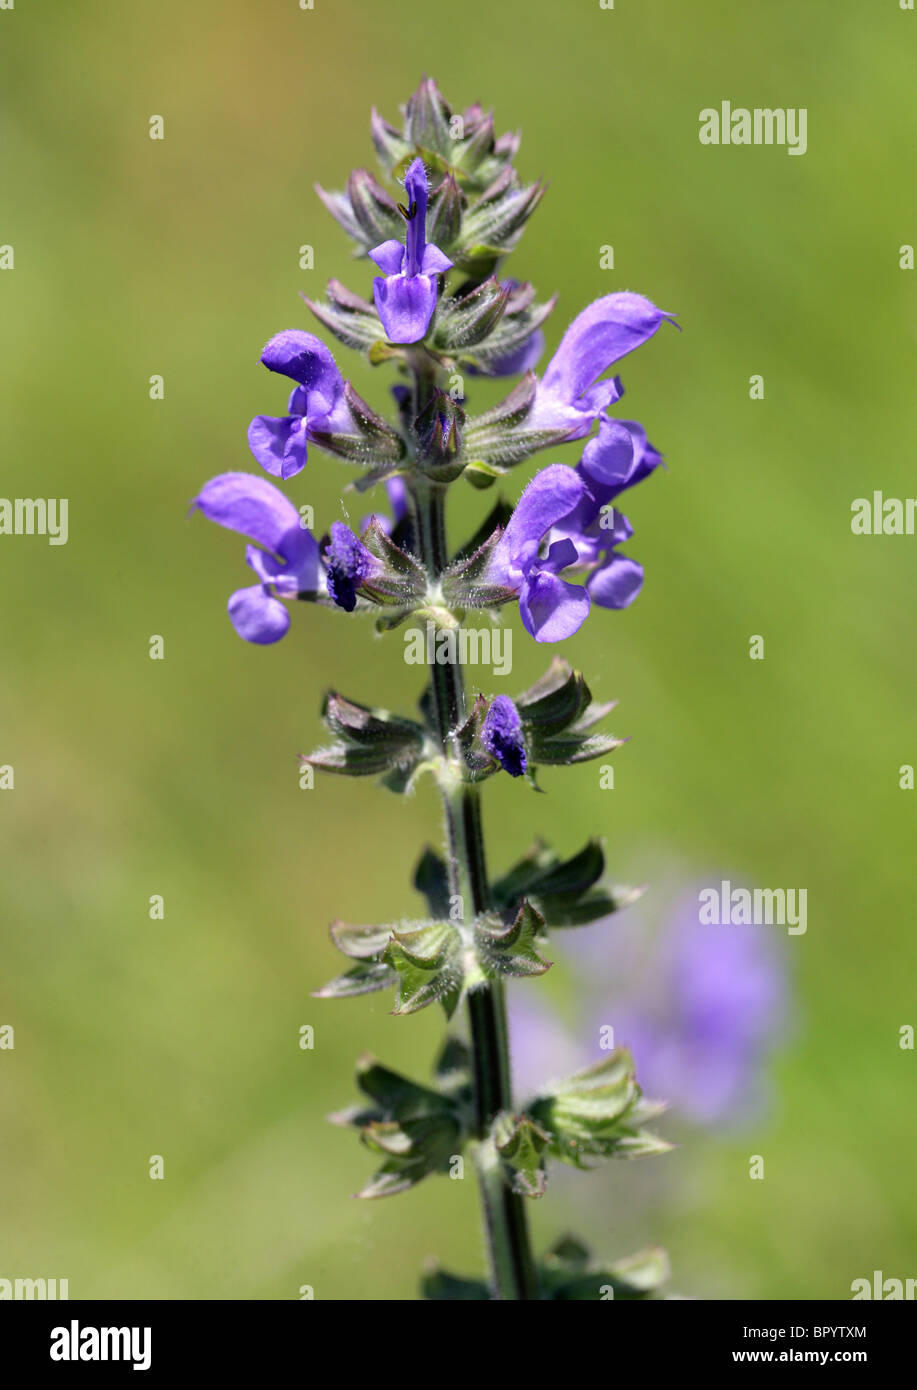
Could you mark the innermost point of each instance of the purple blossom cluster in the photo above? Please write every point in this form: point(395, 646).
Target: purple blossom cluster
point(560, 551)
point(442, 309)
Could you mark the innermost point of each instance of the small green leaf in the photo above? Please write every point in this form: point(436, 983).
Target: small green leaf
point(396, 1095)
point(428, 969)
point(361, 942)
point(370, 743)
point(520, 1144)
point(363, 979)
point(569, 1272)
point(380, 544)
point(563, 892)
point(438, 1285)
point(349, 761)
point(574, 876)
point(483, 475)
point(567, 750)
point(412, 1149)
point(555, 701)
point(510, 950)
point(453, 1066)
point(466, 319)
point(598, 1113)
point(363, 725)
point(417, 1130)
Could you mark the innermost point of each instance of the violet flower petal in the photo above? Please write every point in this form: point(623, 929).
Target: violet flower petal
point(305, 359)
point(601, 335)
point(551, 608)
point(552, 493)
point(388, 256)
point(257, 616)
point(415, 237)
point(609, 458)
point(278, 443)
point(397, 497)
point(405, 304)
point(616, 583)
point(255, 508)
point(435, 262)
point(281, 577)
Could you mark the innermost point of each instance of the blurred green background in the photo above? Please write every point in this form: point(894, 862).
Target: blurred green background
point(179, 777)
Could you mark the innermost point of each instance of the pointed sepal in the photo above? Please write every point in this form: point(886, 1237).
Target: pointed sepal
point(465, 320)
point(416, 1130)
point(520, 1143)
point(597, 1113)
point(569, 1272)
point(369, 742)
point(438, 1285)
point(512, 949)
point(372, 443)
point(427, 962)
point(351, 319)
point(558, 716)
point(567, 893)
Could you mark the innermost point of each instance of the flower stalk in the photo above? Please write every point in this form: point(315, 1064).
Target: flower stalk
point(555, 555)
point(512, 1269)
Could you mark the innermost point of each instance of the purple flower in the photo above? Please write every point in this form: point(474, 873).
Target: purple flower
point(700, 1006)
point(286, 567)
point(405, 293)
point(617, 458)
point(550, 607)
point(349, 564)
point(713, 1005)
point(501, 735)
point(570, 393)
point(318, 403)
point(616, 579)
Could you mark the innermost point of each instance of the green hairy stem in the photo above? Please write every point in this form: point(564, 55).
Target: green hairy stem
point(512, 1267)
point(479, 931)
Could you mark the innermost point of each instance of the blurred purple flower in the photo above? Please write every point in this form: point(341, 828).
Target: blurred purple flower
point(398, 501)
point(542, 1048)
point(703, 1028)
point(700, 1006)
